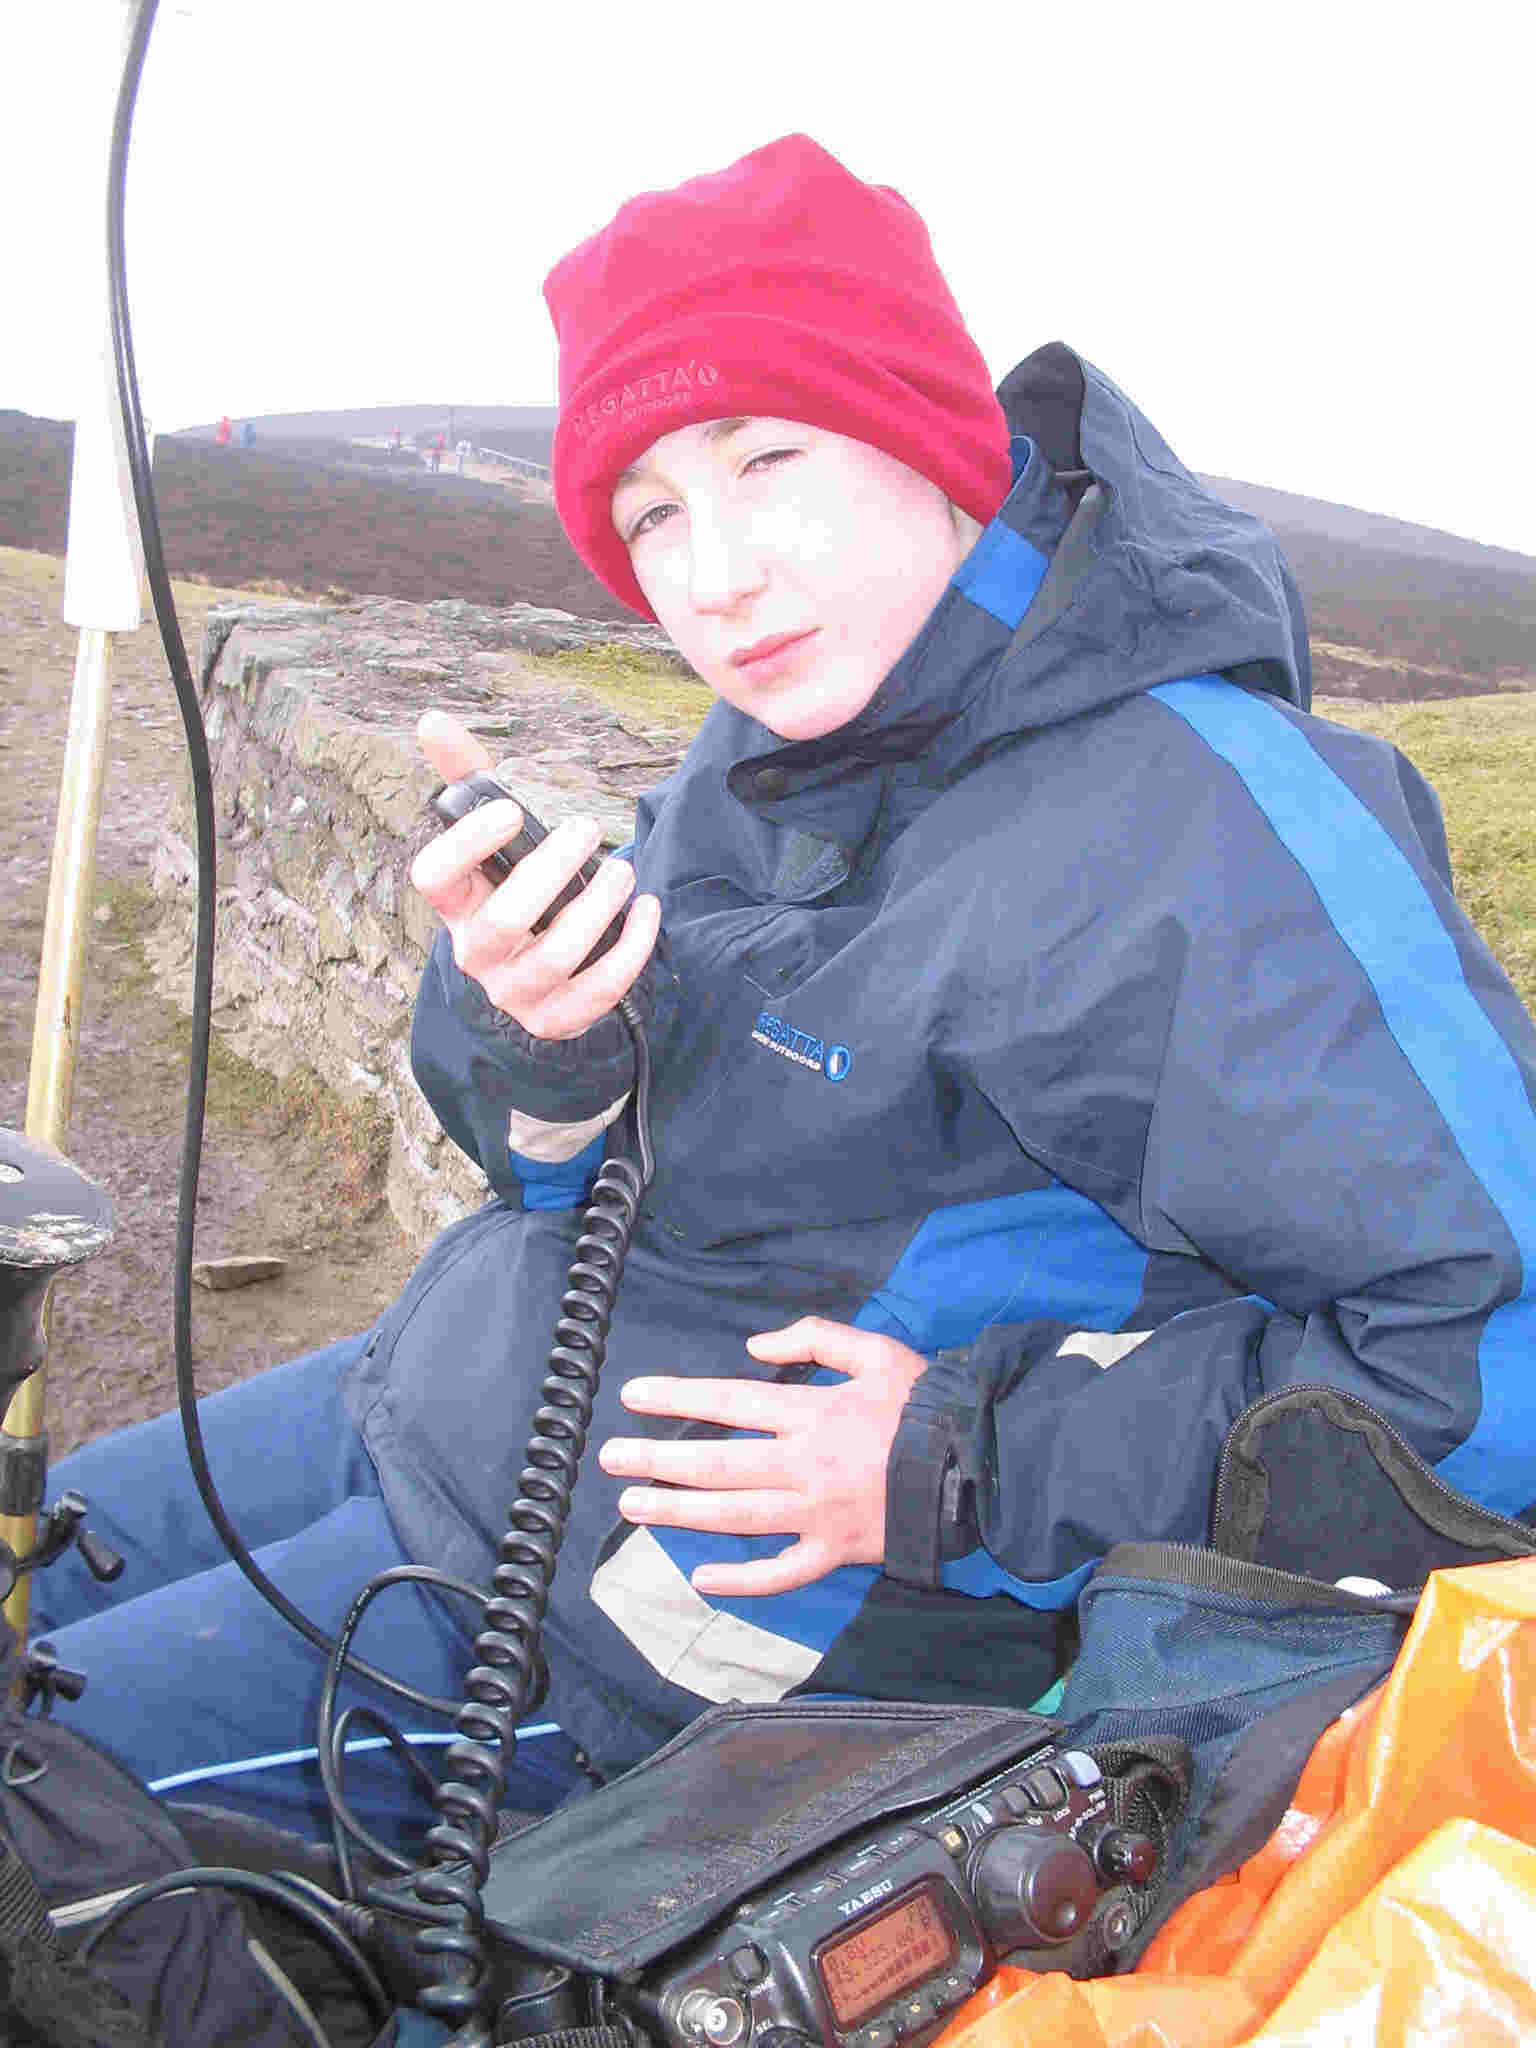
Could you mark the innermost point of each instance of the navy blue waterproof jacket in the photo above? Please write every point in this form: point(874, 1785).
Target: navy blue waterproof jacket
point(1085, 1014)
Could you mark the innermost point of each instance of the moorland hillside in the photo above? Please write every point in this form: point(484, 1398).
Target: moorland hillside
point(1398, 612)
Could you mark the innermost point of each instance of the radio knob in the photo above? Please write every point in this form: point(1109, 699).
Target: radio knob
point(1123, 1855)
point(1034, 1889)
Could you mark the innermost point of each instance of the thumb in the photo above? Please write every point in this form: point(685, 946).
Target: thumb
point(451, 748)
point(837, 1345)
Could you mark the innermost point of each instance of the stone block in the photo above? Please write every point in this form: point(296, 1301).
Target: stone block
point(419, 923)
point(334, 907)
point(220, 1274)
point(372, 944)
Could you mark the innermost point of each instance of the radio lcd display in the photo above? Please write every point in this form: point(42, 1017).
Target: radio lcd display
point(865, 1968)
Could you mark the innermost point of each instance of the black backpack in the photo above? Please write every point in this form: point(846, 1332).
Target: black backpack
point(203, 1968)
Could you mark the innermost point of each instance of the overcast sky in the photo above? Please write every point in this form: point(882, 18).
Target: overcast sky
point(1298, 235)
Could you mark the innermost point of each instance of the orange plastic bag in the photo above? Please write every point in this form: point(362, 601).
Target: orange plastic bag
point(1396, 1901)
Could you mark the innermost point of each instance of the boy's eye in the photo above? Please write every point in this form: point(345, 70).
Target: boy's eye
point(648, 521)
point(656, 516)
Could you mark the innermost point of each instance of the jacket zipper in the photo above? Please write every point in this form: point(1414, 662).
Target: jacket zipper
point(1380, 1603)
point(1526, 1534)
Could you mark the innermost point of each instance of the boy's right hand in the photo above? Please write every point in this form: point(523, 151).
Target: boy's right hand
point(531, 977)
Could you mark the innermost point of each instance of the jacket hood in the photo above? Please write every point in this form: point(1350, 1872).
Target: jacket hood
point(1109, 569)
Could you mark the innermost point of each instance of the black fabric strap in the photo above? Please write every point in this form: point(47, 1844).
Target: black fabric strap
point(914, 1501)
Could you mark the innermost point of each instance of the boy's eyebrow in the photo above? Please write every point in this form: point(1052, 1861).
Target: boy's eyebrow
point(715, 430)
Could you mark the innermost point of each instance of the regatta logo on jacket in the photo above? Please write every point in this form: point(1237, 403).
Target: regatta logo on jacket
point(832, 1061)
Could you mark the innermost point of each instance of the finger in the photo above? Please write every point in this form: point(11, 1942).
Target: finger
point(527, 893)
point(500, 926)
point(575, 1006)
point(451, 748)
point(838, 1345)
point(565, 944)
point(739, 1404)
point(727, 1514)
point(447, 869)
point(797, 1566)
point(741, 1464)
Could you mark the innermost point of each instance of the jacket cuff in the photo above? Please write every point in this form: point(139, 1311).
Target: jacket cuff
point(931, 1476)
point(559, 1080)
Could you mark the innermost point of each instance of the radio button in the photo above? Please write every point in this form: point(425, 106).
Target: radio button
point(878, 2036)
point(1118, 1925)
point(1043, 1787)
point(1016, 1799)
point(953, 1839)
point(1081, 1768)
point(748, 1965)
point(1121, 1853)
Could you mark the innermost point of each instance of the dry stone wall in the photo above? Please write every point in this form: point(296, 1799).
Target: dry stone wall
point(320, 796)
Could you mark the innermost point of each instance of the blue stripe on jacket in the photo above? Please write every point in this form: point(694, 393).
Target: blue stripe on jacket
point(561, 1183)
point(1412, 964)
point(1049, 1253)
point(1002, 573)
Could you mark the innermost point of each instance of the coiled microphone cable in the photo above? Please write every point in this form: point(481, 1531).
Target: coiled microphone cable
point(499, 1688)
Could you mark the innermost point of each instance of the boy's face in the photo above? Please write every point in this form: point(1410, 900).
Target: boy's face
point(790, 565)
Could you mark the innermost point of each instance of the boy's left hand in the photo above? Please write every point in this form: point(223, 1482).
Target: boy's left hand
point(818, 1474)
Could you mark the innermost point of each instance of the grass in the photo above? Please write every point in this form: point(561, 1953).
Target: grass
point(635, 684)
point(43, 576)
point(1479, 755)
point(40, 574)
point(262, 586)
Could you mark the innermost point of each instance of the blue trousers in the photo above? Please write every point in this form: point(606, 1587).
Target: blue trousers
point(194, 1681)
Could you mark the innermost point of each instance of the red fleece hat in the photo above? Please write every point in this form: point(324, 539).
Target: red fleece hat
point(781, 286)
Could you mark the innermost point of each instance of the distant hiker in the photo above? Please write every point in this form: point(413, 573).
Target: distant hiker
point(461, 454)
point(225, 431)
point(394, 442)
point(438, 446)
point(247, 435)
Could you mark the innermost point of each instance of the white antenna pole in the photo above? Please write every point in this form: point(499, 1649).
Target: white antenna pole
point(103, 596)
